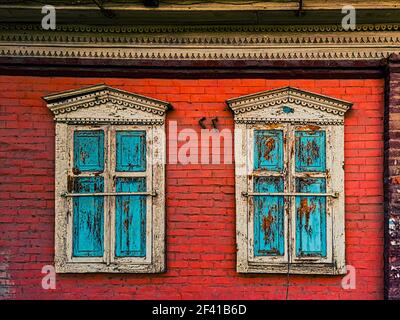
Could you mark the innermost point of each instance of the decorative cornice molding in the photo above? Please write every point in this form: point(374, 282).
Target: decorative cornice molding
point(266, 99)
point(110, 121)
point(301, 42)
point(200, 54)
point(131, 29)
point(288, 120)
point(72, 100)
point(128, 40)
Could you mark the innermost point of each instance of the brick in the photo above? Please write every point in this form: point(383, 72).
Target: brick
point(200, 198)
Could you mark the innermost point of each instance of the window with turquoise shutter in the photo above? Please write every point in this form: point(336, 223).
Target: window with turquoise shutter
point(272, 174)
point(110, 188)
point(289, 161)
point(130, 208)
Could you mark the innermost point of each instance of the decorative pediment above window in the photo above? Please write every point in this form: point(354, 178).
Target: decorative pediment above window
point(288, 105)
point(103, 104)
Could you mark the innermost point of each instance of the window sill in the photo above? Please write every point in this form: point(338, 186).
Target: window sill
point(74, 267)
point(293, 268)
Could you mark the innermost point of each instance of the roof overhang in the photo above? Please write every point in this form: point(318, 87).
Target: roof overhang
point(202, 12)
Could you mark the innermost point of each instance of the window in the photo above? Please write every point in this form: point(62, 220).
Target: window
point(110, 155)
point(289, 162)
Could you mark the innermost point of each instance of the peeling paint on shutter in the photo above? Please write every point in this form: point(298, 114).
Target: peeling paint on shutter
point(89, 150)
point(310, 151)
point(310, 218)
point(130, 218)
point(131, 151)
point(268, 210)
point(130, 214)
point(268, 150)
point(311, 211)
point(268, 217)
point(88, 235)
point(88, 219)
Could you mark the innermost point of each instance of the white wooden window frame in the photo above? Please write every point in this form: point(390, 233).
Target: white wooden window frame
point(264, 111)
point(104, 108)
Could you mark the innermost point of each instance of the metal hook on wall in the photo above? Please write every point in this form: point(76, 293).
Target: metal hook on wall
point(201, 123)
point(214, 123)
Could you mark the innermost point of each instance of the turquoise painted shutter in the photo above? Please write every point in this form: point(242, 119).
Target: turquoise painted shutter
point(130, 218)
point(310, 210)
point(310, 218)
point(131, 151)
point(310, 151)
point(268, 210)
point(89, 150)
point(268, 217)
point(268, 150)
point(88, 218)
point(88, 211)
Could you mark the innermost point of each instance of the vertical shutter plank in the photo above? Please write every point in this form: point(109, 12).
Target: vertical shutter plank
point(268, 217)
point(131, 151)
point(268, 150)
point(88, 218)
point(310, 151)
point(268, 210)
point(311, 218)
point(310, 156)
point(89, 150)
point(130, 218)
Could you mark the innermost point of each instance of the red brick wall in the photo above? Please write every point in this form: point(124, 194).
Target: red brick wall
point(200, 198)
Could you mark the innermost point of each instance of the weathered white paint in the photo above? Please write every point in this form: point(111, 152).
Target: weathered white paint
point(102, 107)
point(263, 111)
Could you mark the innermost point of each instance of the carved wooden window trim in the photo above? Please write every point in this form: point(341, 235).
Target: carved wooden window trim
point(108, 109)
point(288, 110)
